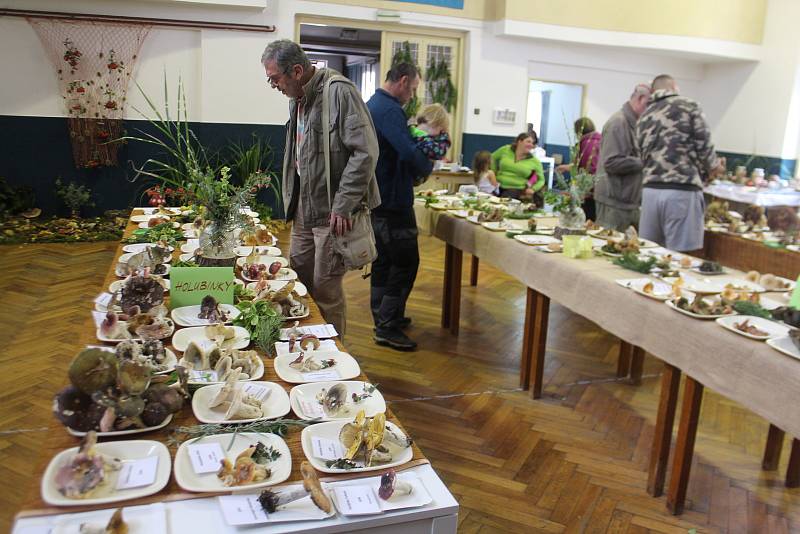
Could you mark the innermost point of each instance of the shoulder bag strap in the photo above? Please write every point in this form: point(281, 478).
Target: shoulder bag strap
point(326, 137)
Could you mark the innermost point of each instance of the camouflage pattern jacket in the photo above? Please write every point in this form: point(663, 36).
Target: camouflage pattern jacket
point(674, 143)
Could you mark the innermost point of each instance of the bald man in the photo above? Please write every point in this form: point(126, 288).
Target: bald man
point(674, 143)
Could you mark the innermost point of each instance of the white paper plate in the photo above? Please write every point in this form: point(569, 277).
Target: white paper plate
point(284, 274)
point(265, 250)
point(145, 225)
point(276, 403)
point(127, 256)
point(276, 285)
point(694, 315)
point(187, 315)
point(129, 432)
point(146, 519)
point(308, 393)
point(182, 338)
point(739, 284)
point(418, 497)
point(473, 219)
point(661, 291)
point(152, 210)
point(190, 246)
point(146, 217)
point(346, 366)
point(124, 450)
point(330, 430)
point(615, 237)
point(139, 247)
point(325, 345)
point(791, 283)
point(536, 239)
point(266, 260)
point(772, 328)
point(232, 445)
point(496, 226)
point(705, 273)
point(461, 214)
point(784, 345)
point(101, 337)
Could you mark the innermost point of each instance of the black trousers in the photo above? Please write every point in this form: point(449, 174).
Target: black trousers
point(395, 268)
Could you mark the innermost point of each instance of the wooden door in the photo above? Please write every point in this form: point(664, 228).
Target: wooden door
point(426, 49)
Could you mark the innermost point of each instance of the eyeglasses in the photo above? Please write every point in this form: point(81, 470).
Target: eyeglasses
point(275, 78)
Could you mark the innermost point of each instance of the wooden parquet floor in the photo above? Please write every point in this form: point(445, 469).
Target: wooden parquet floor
point(573, 462)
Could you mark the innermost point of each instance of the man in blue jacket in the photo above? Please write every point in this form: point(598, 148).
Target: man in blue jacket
point(399, 165)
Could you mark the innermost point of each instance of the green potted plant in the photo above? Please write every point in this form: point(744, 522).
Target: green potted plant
point(74, 196)
point(187, 166)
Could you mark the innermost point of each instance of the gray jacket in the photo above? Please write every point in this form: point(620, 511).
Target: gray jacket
point(619, 172)
point(353, 154)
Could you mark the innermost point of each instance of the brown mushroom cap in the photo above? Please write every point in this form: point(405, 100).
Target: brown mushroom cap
point(312, 485)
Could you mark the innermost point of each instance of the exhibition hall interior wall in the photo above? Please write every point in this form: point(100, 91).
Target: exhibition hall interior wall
point(747, 80)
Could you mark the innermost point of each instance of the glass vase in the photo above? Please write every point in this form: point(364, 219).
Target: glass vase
point(217, 247)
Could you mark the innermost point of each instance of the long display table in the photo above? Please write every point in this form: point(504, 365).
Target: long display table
point(748, 372)
point(438, 516)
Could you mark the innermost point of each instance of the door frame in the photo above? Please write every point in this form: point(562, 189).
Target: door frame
point(457, 130)
point(584, 87)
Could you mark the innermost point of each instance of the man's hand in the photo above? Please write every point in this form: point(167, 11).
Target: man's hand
point(340, 224)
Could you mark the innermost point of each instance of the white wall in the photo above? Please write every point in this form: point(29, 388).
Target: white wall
point(564, 110)
point(751, 107)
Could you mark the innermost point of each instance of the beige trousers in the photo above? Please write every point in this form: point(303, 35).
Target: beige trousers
point(321, 269)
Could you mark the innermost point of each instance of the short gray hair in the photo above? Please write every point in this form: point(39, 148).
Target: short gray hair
point(286, 54)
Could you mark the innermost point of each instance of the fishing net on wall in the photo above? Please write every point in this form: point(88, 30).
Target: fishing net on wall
point(94, 62)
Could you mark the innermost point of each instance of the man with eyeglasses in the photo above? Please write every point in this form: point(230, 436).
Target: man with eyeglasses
point(353, 155)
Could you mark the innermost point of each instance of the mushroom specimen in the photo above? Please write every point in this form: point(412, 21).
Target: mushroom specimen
point(271, 500)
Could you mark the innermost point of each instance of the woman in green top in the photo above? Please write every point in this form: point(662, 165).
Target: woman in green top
point(518, 171)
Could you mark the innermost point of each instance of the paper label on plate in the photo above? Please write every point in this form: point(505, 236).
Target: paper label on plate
point(103, 299)
point(312, 409)
point(319, 330)
point(206, 457)
point(98, 317)
point(203, 376)
point(242, 510)
point(138, 473)
point(323, 375)
point(326, 449)
point(357, 500)
point(282, 347)
point(258, 391)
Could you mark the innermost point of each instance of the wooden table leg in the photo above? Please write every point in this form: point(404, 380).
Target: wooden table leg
point(793, 469)
point(662, 438)
point(448, 274)
point(637, 365)
point(455, 290)
point(684, 445)
point(527, 341)
point(624, 360)
point(772, 449)
point(538, 343)
point(473, 271)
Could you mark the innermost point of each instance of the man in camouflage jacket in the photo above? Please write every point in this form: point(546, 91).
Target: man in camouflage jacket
point(674, 144)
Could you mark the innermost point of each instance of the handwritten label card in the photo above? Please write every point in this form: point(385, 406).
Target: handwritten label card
point(103, 299)
point(258, 391)
point(188, 285)
point(312, 409)
point(138, 473)
point(326, 449)
point(320, 330)
point(98, 317)
point(203, 376)
point(322, 375)
point(242, 510)
point(357, 500)
point(206, 457)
